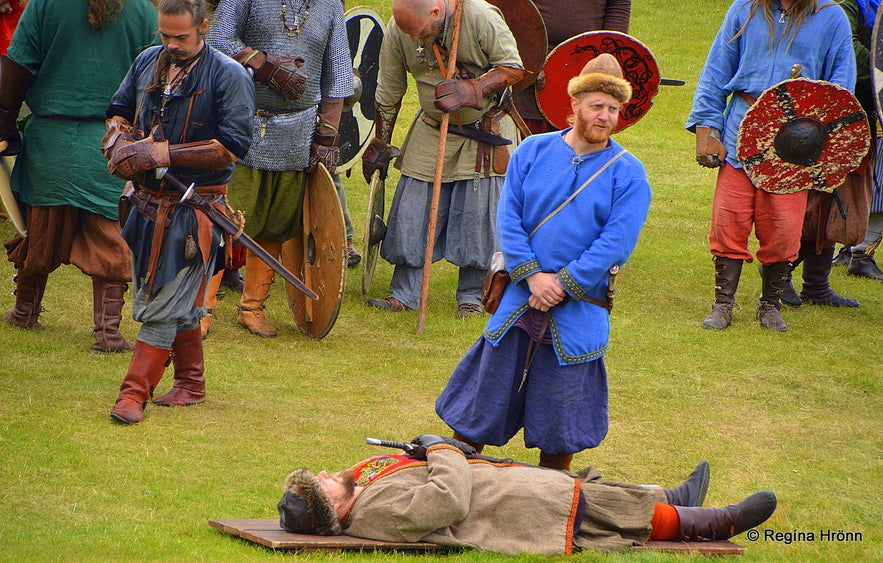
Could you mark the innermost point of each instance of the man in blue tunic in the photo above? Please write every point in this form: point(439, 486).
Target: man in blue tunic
point(187, 108)
point(539, 364)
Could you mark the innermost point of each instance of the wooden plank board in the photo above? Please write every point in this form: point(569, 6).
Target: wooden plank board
point(269, 534)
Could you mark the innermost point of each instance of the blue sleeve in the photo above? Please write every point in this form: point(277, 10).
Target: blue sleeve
point(514, 238)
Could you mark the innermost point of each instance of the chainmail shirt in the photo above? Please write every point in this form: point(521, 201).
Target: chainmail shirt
point(283, 130)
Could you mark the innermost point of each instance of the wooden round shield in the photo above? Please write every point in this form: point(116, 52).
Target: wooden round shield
point(375, 230)
point(567, 60)
point(832, 136)
point(318, 257)
point(364, 31)
point(526, 24)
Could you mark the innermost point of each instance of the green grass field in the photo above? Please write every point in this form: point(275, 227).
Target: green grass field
point(797, 412)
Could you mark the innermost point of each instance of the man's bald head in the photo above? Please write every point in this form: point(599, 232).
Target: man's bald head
point(421, 20)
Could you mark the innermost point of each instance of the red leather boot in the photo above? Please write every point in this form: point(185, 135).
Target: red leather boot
point(145, 370)
point(187, 357)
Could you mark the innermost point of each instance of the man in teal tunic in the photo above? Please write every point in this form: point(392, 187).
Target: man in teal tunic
point(66, 60)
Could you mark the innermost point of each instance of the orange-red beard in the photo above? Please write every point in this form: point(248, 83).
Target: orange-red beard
point(590, 134)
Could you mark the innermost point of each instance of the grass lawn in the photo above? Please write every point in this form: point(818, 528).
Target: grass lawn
point(796, 412)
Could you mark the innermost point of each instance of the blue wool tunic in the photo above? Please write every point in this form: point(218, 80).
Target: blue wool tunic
point(726, 73)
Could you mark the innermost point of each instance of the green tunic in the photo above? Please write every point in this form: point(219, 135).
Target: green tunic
point(61, 161)
point(485, 42)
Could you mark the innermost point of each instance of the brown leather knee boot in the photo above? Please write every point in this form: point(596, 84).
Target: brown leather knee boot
point(145, 370)
point(723, 523)
point(28, 295)
point(458, 436)
point(727, 272)
point(187, 357)
point(255, 290)
point(107, 308)
point(211, 300)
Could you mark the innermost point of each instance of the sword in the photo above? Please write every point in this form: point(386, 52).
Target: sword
point(189, 194)
point(410, 448)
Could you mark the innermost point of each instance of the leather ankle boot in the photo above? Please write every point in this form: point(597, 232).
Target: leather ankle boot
point(28, 296)
point(145, 371)
point(258, 279)
point(187, 357)
point(727, 272)
point(692, 491)
point(699, 524)
point(107, 311)
point(774, 278)
point(863, 266)
point(556, 461)
point(816, 281)
point(211, 300)
point(458, 436)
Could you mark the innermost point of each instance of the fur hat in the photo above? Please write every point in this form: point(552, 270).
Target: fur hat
point(305, 507)
point(601, 74)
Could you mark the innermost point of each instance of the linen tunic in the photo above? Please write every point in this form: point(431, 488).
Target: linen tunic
point(596, 230)
point(505, 508)
point(485, 42)
point(717, 103)
point(61, 162)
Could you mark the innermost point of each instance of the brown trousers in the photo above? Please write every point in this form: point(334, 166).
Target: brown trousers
point(68, 235)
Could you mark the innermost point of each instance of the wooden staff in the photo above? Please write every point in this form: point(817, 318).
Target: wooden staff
point(439, 169)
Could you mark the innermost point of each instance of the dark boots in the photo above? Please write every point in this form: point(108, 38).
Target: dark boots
point(187, 357)
point(723, 523)
point(145, 370)
point(726, 279)
point(816, 285)
point(28, 295)
point(692, 491)
point(775, 276)
point(107, 311)
point(863, 266)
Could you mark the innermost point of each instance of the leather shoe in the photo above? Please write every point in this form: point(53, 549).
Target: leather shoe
point(843, 257)
point(692, 491)
point(388, 304)
point(863, 266)
point(352, 255)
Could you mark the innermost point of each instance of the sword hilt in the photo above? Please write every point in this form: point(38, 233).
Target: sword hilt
point(390, 444)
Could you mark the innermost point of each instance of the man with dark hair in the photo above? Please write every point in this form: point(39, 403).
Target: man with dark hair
point(443, 493)
point(183, 109)
point(65, 61)
point(416, 43)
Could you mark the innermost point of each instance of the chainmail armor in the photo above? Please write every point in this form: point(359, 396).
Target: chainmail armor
point(283, 130)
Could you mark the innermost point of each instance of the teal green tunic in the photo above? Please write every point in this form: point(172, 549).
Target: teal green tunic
point(61, 161)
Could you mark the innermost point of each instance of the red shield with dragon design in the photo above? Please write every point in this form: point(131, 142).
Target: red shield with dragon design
point(802, 134)
point(567, 60)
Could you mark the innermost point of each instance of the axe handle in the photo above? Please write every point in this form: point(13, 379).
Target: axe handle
point(439, 169)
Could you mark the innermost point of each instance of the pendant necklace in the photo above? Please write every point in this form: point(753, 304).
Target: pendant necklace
point(300, 18)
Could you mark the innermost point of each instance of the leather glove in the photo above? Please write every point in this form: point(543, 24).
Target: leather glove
point(451, 95)
point(279, 73)
point(424, 442)
point(377, 157)
point(710, 152)
point(9, 134)
point(324, 149)
point(118, 135)
point(132, 160)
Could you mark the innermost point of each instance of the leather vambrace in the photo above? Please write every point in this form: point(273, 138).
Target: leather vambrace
point(280, 73)
point(15, 81)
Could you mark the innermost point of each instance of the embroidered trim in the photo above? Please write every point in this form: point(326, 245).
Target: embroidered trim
point(524, 270)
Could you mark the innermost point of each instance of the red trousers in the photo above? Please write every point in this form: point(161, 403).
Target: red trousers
point(738, 206)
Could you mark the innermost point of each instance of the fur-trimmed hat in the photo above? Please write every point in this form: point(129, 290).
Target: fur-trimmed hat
point(601, 74)
point(305, 507)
